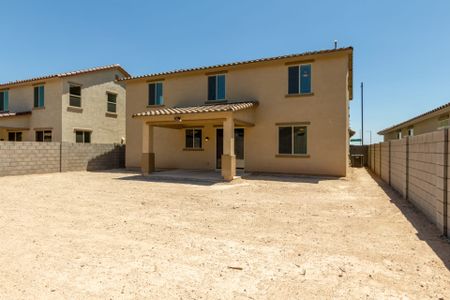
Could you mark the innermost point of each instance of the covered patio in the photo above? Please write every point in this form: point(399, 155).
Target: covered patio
point(227, 115)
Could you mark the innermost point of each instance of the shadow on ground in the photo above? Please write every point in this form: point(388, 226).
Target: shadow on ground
point(426, 230)
point(288, 178)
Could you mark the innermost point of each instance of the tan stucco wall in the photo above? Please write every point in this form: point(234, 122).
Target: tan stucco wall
point(326, 110)
point(21, 98)
point(94, 102)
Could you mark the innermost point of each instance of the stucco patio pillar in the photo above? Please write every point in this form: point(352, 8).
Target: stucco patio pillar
point(148, 156)
point(228, 156)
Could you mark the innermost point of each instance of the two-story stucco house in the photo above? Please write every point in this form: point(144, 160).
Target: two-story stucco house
point(285, 114)
point(86, 106)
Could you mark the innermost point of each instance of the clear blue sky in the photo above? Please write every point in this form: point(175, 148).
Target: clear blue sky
point(402, 48)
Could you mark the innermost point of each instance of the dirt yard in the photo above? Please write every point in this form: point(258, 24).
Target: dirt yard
point(116, 236)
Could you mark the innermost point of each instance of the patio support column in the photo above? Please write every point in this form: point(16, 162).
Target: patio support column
point(228, 156)
point(148, 156)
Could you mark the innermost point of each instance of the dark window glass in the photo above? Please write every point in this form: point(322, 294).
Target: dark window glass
point(44, 136)
point(220, 87)
point(155, 94)
point(293, 74)
point(193, 138)
point(75, 101)
point(159, 94)
point(15, 136)
point(151, 94)
point(2, 101)
point(75, 90)
point(87, 137)
point(189, 138)
point(285, 140)
point(79, 136)
point(82, 136)
point(212, 88)
point(47, 136)
point(305, 80)
point(300, 140)
point(75, 95)
point(36, 96)
point(39, 96)
point(111, 104)
point(39, 136)
point(197, 138)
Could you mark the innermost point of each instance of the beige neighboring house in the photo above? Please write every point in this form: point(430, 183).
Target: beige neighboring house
point(86, 106)
point(429, 121)
point(285, 114)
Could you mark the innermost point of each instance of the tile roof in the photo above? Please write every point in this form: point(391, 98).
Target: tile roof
point(240, 63)
point(399, 125)
point(66, 74)
point(13, 114)
point(234, 106)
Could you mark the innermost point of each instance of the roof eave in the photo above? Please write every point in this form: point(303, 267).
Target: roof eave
point(348, 50)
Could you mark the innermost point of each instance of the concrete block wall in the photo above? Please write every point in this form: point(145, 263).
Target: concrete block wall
point(398, 166)
point(19, 158)
point(418, 168)
point(91, 157)
point(384, 161)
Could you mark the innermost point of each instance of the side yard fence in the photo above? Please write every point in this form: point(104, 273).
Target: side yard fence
point(18, 158)
point(417, 167)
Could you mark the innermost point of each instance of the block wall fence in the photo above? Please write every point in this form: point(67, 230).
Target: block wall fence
point(18, 158)
point(417, 167)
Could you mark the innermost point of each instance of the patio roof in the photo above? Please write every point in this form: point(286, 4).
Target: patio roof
point(14, 114)
point(207, 108)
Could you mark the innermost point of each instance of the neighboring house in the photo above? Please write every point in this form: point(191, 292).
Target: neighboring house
point(86, 106)
point(285, 114)
point(432, 120)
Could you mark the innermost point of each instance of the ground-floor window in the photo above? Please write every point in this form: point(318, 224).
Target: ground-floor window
point(15, 136)
point(193, 138)
point(292, 140)
point(82, 136)
point(43, 136)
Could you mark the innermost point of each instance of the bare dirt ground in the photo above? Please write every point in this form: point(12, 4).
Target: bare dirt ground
point(113, 235)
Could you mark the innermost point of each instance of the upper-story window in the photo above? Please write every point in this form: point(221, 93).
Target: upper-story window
point(399, 134)
point(39, 96)
point(4, 101)
point(111, 105)
point(216, 87)
point(411, 131)
point(299, 79)
point(75, 95)
point(155, 94)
